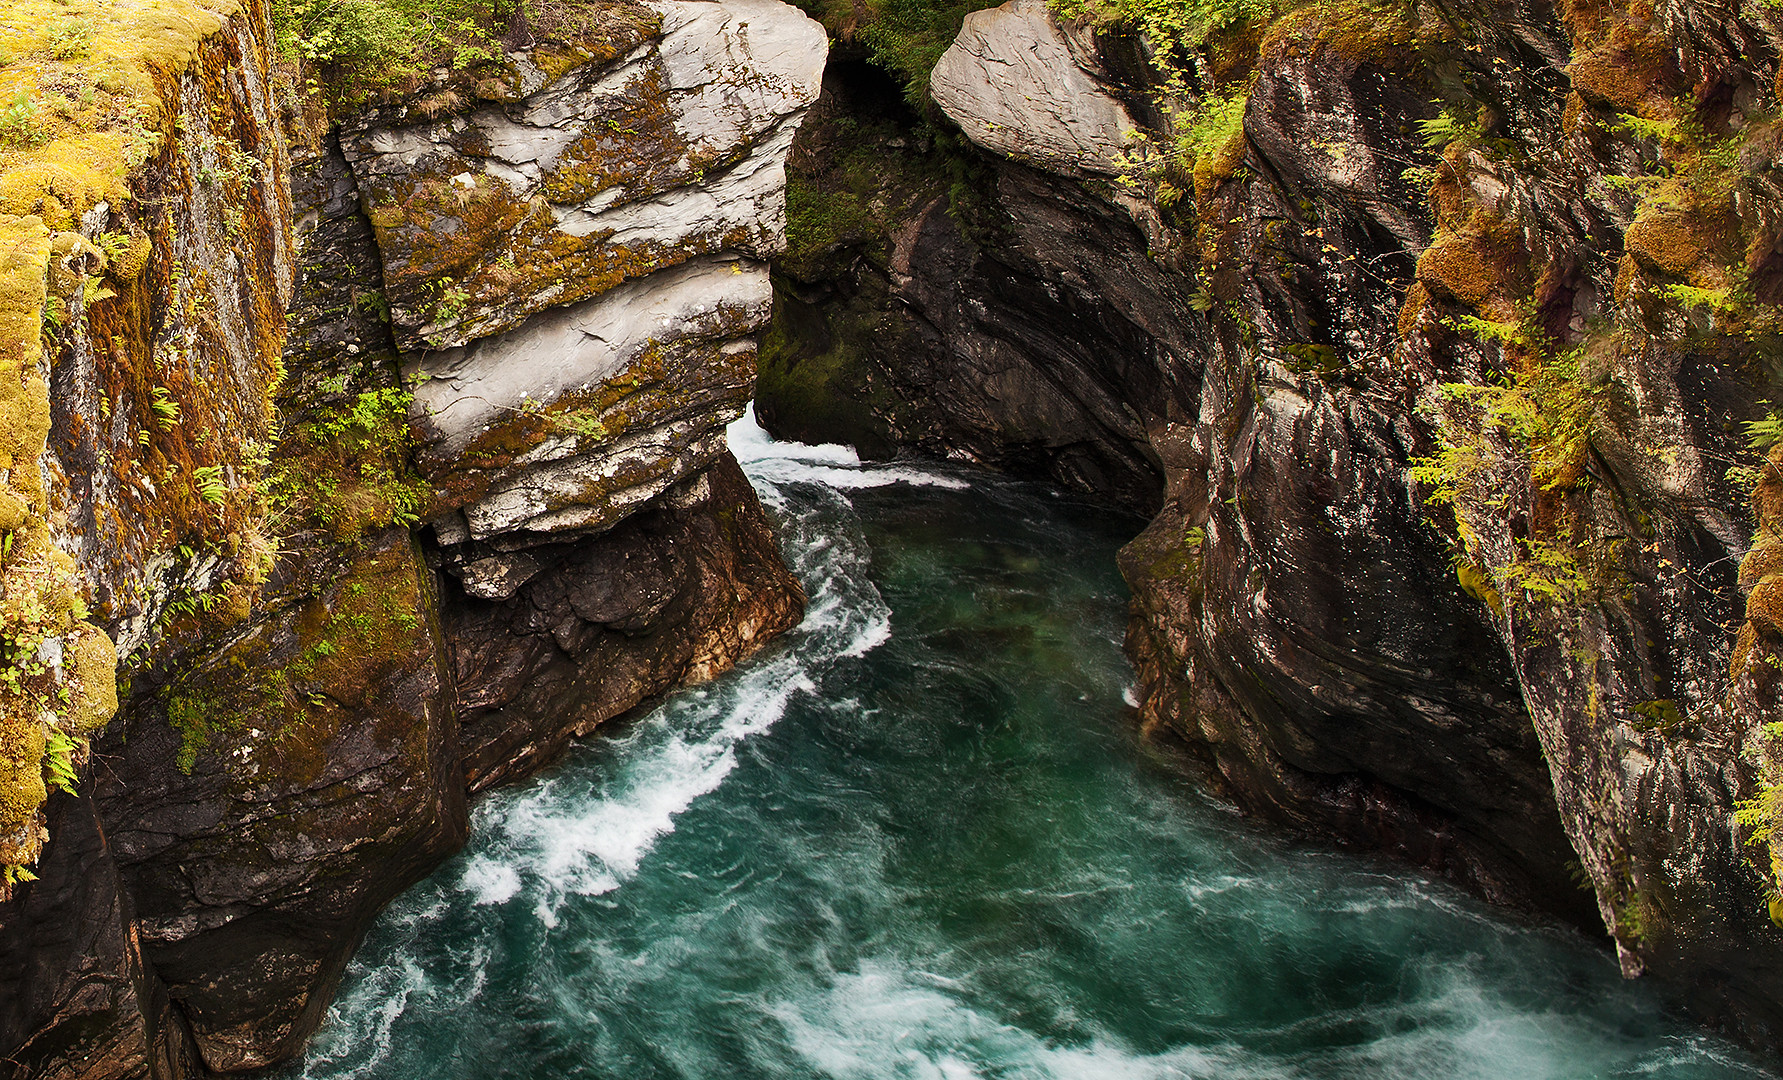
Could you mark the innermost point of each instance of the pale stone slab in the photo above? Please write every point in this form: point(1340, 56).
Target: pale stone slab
point(1010, 81)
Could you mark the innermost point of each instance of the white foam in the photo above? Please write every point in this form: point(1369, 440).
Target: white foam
point(572, 842)
point(880, 1023)
point(489, 881)
point(833, 466)
point(874, 633)
point(363, 1023)
point(750, 442)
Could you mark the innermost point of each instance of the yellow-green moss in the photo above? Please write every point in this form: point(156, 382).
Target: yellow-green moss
point(83, 157)
point(1765, 559)
point(1668, 243)
point(1627, 70)
point(1360, 31)
point(68, 154)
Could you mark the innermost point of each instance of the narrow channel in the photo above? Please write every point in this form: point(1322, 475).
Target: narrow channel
point(921, 838)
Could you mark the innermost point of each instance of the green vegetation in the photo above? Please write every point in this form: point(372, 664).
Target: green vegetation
point(1757, 660)
point(1206, 140)
point(19, 123)
point(1547, 409)
point(1766, 433)
point(365, 48)
point(1723, 299)
point(1547, 573)
point(349, 52)
point(907, 37)
point(819, 220)
point(1540, 418)
point(348, 468)
point(1175, 25)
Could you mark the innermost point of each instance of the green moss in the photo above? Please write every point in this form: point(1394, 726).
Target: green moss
point(1631, 919)
point(64, 151)
point(350, 52)
point(284, 684)
point(814, 375)
point(349, 467)
point(1213, 138)
point(196, 719)
point(819, 222)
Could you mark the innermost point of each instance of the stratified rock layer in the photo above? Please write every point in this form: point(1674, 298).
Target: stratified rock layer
point(501, 510)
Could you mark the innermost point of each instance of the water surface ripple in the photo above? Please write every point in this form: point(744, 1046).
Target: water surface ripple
point(918, 839)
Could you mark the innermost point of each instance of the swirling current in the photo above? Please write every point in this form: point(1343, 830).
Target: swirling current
point(920, 838)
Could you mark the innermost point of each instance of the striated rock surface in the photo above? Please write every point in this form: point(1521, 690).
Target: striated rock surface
point(1014, 82)
point(673, 149)
point(418, 553)
point(1460, 328)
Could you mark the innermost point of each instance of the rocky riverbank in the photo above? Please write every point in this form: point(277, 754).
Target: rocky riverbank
point(474, 503)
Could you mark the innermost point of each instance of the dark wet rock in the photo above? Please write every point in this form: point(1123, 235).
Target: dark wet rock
point(320, 779)
point(76, 1000)
point(1552, 688)
point(1038, 338)
point(674, 594)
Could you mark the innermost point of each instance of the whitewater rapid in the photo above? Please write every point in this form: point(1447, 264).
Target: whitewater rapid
point(919, 838)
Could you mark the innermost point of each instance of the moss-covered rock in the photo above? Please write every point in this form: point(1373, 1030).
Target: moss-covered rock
point(604, 175)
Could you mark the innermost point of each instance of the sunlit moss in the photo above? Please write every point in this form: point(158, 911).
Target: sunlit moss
point(62, 152)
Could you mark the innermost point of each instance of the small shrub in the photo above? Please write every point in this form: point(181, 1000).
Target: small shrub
point(363, 49)
point(1546, 572)
point(71, 39)
point(20, 123)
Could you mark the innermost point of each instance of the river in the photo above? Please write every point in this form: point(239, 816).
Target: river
point(920, 838)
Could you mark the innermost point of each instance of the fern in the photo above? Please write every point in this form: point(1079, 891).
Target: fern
point(210, 483)
point(1689, 296)
point(1445, 128)
point(167, 410)
point(1764, 434)
point(60, 751)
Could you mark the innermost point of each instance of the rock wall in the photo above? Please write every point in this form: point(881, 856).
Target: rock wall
point(1022, 327)
point(477, 503)
point(1430, 336)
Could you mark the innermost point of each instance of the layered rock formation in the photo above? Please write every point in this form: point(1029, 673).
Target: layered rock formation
point(480, 504)
point(1430, 344)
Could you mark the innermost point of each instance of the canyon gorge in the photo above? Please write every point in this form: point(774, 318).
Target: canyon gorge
point(362, 443)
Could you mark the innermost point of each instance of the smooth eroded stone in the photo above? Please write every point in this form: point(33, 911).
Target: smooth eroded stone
point(1010, 81)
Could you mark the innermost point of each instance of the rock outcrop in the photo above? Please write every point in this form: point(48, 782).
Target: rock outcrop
point(1014, 75)
point(1420, 346)
point(480, 505)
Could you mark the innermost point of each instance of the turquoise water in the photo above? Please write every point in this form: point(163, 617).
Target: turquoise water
point(920, 839)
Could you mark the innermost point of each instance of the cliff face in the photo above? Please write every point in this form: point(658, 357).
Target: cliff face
point(474, 504)
point(1430, 335)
